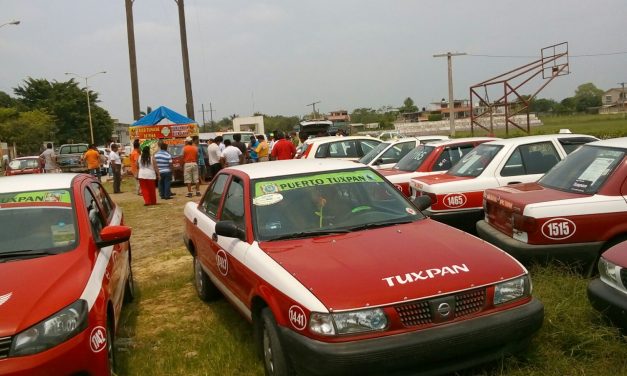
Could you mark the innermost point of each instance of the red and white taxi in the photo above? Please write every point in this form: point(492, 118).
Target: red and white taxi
point(341, 274)
point(577, 210)
point(65, 272)
point(434, 158)
point(608, 293)
point(25, 165)
point(457, 195)
point(388, 153)
point(337, 147)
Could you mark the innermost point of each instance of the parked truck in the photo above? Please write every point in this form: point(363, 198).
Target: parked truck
point(69, 158)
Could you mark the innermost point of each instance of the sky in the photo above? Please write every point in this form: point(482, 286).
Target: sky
point(276, 57)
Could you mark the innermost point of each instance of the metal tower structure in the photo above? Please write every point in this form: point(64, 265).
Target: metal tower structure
point(509, 101)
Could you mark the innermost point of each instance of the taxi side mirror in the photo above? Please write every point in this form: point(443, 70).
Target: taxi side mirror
point(111, 235)
point(422, 202)
point(230, 230)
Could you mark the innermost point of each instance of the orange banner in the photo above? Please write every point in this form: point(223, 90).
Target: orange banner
point(155, 132)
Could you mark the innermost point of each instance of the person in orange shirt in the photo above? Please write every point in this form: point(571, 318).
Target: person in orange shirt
point(190, 167)
point(92, 157)
point(134, 158)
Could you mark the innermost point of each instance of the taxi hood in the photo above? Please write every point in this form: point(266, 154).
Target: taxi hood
point(521, 195)
point(33, 289)
point(392, 264)
point(441, 178)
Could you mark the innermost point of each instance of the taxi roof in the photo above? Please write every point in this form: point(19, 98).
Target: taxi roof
point(454, 141)
point(35, 182)
point(293, 167)
point(536, 138)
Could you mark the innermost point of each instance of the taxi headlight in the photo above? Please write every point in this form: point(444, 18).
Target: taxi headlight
point(52, 331)
point(608, 270)
point(341, 323)
point(511, 290)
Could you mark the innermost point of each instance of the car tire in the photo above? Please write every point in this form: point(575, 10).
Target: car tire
point(129, 287)
point(110, 348)
point(275, 360)
point(206, 290)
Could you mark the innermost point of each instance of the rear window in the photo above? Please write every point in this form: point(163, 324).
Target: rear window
point(73, 149)
point(22, 164)
point(476, 161)
point(414, 159)
point(584, 171)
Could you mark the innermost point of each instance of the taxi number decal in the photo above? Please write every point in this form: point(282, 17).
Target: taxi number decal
point(559, 228)
point(455, 200)
point(297, 317)
point(98, 339)
point(222, 262)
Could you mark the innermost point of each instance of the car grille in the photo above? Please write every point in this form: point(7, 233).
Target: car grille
point(5, 346)
point(623, 276)
point(418, 313)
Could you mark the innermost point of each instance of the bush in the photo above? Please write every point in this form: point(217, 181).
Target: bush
point(435, 117)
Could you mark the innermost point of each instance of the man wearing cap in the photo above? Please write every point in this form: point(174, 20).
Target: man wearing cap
point(190, 167)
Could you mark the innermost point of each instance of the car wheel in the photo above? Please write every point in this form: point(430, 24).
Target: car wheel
point(275, 361)
point(110, 348)
point(129, 288)
point(204, 287)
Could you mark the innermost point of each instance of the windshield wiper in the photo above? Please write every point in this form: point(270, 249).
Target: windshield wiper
point(26, 253)
point(304, 234)
point(376, 225)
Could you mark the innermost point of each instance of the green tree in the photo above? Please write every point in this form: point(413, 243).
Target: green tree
point(6, 100)
point(408, 106)
point(27, 130)
point(67, 104)
point(586, 96)
point(542, 105)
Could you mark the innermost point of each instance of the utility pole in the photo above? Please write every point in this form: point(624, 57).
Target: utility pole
point(451, 104)
point(314, 108)
point(210, 110)
point(188, 81)
point(622, 105)
point(130, 31)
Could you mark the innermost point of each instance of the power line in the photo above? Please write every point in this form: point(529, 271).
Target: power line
point(538, 57)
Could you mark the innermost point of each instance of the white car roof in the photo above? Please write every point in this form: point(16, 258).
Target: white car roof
point(433, 137)
point(35, 182)
point(536, 138)
point(620, 142)
point(458, 140)
point(335, 138)
point(293, 167)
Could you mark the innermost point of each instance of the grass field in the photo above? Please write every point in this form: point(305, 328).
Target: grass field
point(168, 330)
point(601, 126)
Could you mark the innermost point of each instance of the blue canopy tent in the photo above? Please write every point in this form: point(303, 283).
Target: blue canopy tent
point(163, 123)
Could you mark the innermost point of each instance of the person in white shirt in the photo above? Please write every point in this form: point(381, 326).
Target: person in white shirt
point(231, 156)
point(214, 154)
point(116, 166)
point(50, 159)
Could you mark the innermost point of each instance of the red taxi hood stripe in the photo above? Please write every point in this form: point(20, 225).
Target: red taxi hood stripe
point(392, 264)
point(38, 288)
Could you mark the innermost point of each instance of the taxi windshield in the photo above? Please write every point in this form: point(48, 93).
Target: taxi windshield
point(476, 161)
point(584, 171)
point(326, 203)
point(414, 159)
point(369, 157)
point(23, 164)
point(36, 223)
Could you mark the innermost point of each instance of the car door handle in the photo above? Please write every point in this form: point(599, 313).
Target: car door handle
point(195, 222)
point(514, 182)
point(214, 237)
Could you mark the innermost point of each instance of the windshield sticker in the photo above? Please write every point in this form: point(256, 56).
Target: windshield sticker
point(599, 167)
point(269, 199)
point(361, 176)
point(62, 234)
point(425, 274)
point(41, 196)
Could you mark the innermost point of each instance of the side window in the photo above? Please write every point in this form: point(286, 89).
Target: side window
point(96, 220)
point(343, 149)
point(233, 209)
point(103, 198)
point(531, 159)
point(212, 198)
point(367, 145)
point(322, 151)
